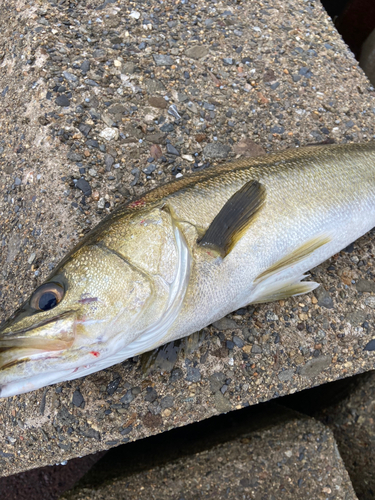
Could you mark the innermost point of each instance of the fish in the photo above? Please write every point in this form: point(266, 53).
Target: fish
point(186, 254)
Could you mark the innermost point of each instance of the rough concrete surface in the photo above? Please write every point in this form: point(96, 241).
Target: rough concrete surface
point(89, 93)
point(367, 60)
point(352, 423)
point(295, 457)
point(46, 483)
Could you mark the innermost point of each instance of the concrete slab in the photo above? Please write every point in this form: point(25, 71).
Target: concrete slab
point(367, 60)
point(352, 423)
point(292, 457)
point(282, 78)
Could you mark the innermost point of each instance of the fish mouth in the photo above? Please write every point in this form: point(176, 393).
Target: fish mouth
point(19, 346)
point(37, 325)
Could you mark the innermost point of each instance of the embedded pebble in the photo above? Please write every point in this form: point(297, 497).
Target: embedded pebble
point(109, 134)
point(162, 60)
point(197, 51)
point(62, 101)
point(216, 150)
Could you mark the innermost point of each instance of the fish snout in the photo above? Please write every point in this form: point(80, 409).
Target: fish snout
point(44, 339)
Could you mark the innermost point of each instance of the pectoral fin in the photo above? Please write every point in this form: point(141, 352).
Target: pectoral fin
point(234, 218)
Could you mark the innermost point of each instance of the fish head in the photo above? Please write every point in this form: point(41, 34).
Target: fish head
point(74, 321)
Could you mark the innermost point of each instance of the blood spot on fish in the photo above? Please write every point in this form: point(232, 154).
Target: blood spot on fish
point(95, 353)
point(137, 203)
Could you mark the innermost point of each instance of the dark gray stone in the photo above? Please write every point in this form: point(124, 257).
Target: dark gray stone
point(172, 150)
point(72, 156)
point(99, 54)
point(176, 375)
point(363, 285)
point(64, 417)
point(193, 374)
point(84, 186)
point(370, 346)
point(108, 161)
point(166, 402)
point(77, 399)
point(151, 395)
point(167, 127)
point(113, 386)
point(127, 430)
point(238, 341)
point(93, 143)
point(128, 398)
point(62, 101)
point(92, 83)
point(116, 109)
point(225, 324)
point(85, 66)
point(149, 169)
point(277, 130)
point(69, 76)
point(89, 432)
point(324, 298)
point(84, 128)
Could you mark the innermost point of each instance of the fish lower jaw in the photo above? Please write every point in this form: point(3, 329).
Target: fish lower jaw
point(23, 385)
point(30, 383)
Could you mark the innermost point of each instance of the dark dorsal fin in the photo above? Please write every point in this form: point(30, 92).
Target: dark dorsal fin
point(234, 218)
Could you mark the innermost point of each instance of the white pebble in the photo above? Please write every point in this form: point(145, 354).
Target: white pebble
point(109, 134)
point(187, 157)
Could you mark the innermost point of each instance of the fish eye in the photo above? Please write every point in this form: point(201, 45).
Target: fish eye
point(47, 296)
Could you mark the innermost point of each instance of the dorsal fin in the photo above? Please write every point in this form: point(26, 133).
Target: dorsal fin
point(234, 218)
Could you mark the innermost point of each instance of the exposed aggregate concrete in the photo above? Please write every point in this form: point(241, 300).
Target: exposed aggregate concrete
point(352, 422)
point(100, 102)
point(293, 458)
